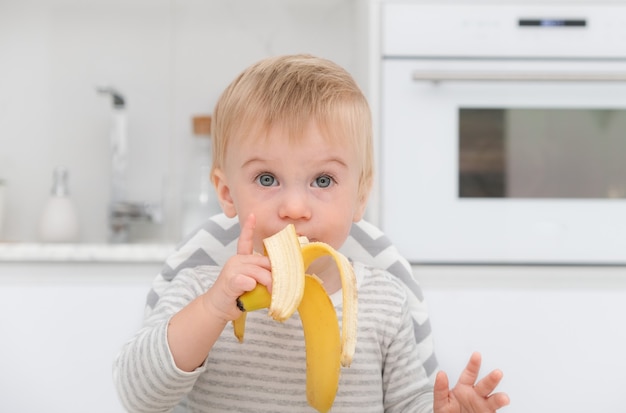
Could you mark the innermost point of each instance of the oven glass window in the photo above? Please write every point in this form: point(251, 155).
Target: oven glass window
point(542, 153)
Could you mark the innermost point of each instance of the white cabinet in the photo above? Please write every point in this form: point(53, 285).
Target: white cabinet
point(62, 324)
point(556, 332)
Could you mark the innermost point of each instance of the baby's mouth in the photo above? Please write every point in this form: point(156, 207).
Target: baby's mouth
point(304, 239)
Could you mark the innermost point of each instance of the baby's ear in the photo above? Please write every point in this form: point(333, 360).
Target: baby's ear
point(359, 211)
point(223, 193)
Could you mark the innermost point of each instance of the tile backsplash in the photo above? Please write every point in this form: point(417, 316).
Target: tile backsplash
point(170, 60)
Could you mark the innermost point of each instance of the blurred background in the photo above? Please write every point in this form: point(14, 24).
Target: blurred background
point(169, 59)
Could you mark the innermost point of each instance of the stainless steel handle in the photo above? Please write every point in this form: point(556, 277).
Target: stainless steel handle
point(469, 76)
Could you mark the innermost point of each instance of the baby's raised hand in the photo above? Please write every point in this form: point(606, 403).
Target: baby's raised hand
point(241, 273)
point(469, 395)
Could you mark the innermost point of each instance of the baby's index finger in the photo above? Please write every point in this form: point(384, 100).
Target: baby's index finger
point(245, 244)
point(470, 373)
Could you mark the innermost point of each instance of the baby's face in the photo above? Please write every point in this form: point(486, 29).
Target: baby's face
point(311, 182)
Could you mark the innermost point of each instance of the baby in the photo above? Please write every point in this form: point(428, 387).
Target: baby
point(292, 144)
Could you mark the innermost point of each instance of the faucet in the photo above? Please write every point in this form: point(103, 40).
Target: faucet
point(122, 212)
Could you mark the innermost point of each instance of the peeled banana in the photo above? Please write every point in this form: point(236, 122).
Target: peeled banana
point(326, 349)
point(283, 250)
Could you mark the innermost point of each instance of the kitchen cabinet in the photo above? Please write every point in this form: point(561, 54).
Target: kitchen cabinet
point(62, 325)
point(556, 332)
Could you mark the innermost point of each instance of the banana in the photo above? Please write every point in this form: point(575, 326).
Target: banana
point(326, 349)
point(283, 250)
point(255, 299)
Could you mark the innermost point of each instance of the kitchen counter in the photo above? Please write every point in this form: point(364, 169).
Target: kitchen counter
point(85, 253)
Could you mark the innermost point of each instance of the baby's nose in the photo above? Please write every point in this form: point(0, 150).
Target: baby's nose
point(295, 205)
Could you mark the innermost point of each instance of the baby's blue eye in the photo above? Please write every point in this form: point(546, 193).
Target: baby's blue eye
point(323, 181)
point(266, 180)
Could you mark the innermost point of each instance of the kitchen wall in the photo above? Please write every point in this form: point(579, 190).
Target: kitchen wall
point(170, 58)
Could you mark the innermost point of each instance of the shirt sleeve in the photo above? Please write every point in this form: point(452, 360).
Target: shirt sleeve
point(145, 374)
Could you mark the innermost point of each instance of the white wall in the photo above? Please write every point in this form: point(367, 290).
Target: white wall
point(170, 58)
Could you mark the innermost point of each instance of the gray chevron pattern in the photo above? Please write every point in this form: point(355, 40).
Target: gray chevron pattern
point(216, 240)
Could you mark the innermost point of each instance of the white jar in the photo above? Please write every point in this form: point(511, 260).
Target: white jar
point(59, 220)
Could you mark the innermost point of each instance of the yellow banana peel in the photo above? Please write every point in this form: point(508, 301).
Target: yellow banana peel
point(326, 349)
point(323, 345)
point(315, 250)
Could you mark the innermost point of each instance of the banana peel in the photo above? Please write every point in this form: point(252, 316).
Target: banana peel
point(326, 349)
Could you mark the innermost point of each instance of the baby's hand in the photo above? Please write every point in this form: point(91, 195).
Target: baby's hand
point(241, 273)
point(469, 395)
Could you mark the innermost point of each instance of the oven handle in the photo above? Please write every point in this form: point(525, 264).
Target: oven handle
point(469, 76)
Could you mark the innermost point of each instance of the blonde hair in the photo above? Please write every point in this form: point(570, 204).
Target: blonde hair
point(291, 91)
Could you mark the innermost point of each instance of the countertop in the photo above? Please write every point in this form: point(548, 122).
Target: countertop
point(85, 253)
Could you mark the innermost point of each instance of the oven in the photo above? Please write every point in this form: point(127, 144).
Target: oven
point(503, 132)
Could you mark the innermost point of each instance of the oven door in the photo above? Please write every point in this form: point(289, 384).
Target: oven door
point(514, 161)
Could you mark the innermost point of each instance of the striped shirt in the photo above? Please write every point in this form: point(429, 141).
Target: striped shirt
point(267, 372)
